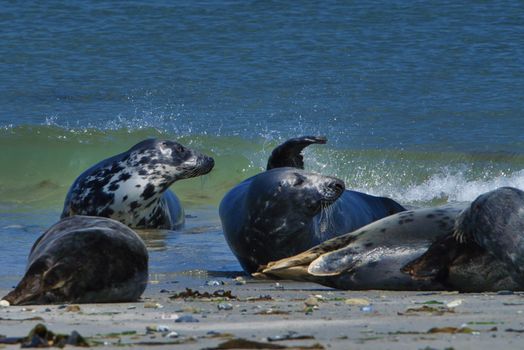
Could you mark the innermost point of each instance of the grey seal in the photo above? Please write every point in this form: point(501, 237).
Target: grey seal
point(84, 259)
point(372, 257)
point(473, 247)
point(286, 210)
point(133, 187)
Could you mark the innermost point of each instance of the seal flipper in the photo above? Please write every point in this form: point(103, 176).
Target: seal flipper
point(336, 262)
point(289, 154)
point(434, 263)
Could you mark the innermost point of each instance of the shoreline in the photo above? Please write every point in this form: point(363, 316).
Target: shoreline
point(309, 315)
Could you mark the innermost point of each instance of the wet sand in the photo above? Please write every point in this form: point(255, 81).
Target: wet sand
point(311, 316)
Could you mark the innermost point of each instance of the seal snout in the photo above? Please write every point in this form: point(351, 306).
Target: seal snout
point(333, 189)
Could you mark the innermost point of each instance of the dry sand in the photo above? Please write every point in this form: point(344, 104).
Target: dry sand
point(264, 311)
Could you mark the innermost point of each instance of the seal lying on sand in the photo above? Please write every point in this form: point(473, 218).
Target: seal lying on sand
point(133, 187)
point(372, 257)
point(279, 213)
point(84, 259)
point(467, 248)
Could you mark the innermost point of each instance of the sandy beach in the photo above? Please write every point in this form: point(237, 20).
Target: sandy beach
point(281, 315)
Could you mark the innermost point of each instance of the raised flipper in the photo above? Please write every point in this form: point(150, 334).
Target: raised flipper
point(289, 153)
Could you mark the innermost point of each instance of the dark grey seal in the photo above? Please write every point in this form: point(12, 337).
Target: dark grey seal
point(285, 210)
point(133, 187)
point(84, 259)
point(469, 248)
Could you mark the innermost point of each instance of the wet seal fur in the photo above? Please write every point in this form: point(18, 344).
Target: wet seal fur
point(84, 259)
point(373, 256)
point(485, 252)
point(133, 187)
point(469, 248)
point(278, 213)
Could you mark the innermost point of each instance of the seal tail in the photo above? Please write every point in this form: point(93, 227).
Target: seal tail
point(289, 154)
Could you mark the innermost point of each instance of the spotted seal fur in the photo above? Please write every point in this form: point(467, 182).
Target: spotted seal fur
point(372, 257)
point(133, 187)
point(84, 259)
point(278, 213)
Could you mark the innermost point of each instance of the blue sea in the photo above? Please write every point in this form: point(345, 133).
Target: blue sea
point(420, 101)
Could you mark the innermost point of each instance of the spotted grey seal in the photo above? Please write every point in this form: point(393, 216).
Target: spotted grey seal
point(133, 187)
point(469, 248)
point(84, 259)
point(278, 213)
point(373, 256)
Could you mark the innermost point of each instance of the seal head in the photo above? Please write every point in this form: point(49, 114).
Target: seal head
point(133, 187)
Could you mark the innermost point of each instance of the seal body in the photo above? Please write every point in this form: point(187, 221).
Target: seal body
point(133, 187)
point(84, 259)
point(284, 211)
point(486, 250)
point(373, 257)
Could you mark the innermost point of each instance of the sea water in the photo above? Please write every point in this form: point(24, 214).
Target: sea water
point(420, 101)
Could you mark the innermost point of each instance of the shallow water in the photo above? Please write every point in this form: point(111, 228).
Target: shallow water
point(421, 102)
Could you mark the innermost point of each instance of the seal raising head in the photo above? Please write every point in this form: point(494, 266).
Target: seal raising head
point(272, 215)
point(133, 187)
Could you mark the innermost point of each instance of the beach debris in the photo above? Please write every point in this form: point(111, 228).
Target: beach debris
point(36, 318)
point(195, 294)
point(266, 297)
point(291, 335)
point(430, 302)
point(161, 328)
point(240, 281)
point(515, 330)
point(172, 334)
point(311, 301)
point(456, 330)
point(186, 319)
point(213, 283)
point(240, 343)
point(279, 286)
point(132, 307)
point(427, 309)
point(225, 306)
point(153, 305)
point(4, 303)
point(505, 292)
point(454, 303)
point(357, 302)
point(72, 308)
point(40, 337)
point(273, 312)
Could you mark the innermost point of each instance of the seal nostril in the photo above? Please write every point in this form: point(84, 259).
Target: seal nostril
point(337, 186)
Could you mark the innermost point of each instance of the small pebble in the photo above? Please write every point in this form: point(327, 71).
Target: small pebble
point(311, 301)
point(172, 334)
point(153, 306)
point(169, 316)
point(368, 308)
point(164, 291)
point(357, 301)
point(47, 310)
point(239, 281)
point(132, 307)
point(279, 286)
point(214, 283)
point(73, 308)
point(4, 303)
point(186, 318)
point(225, 306)
point(454, 303)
